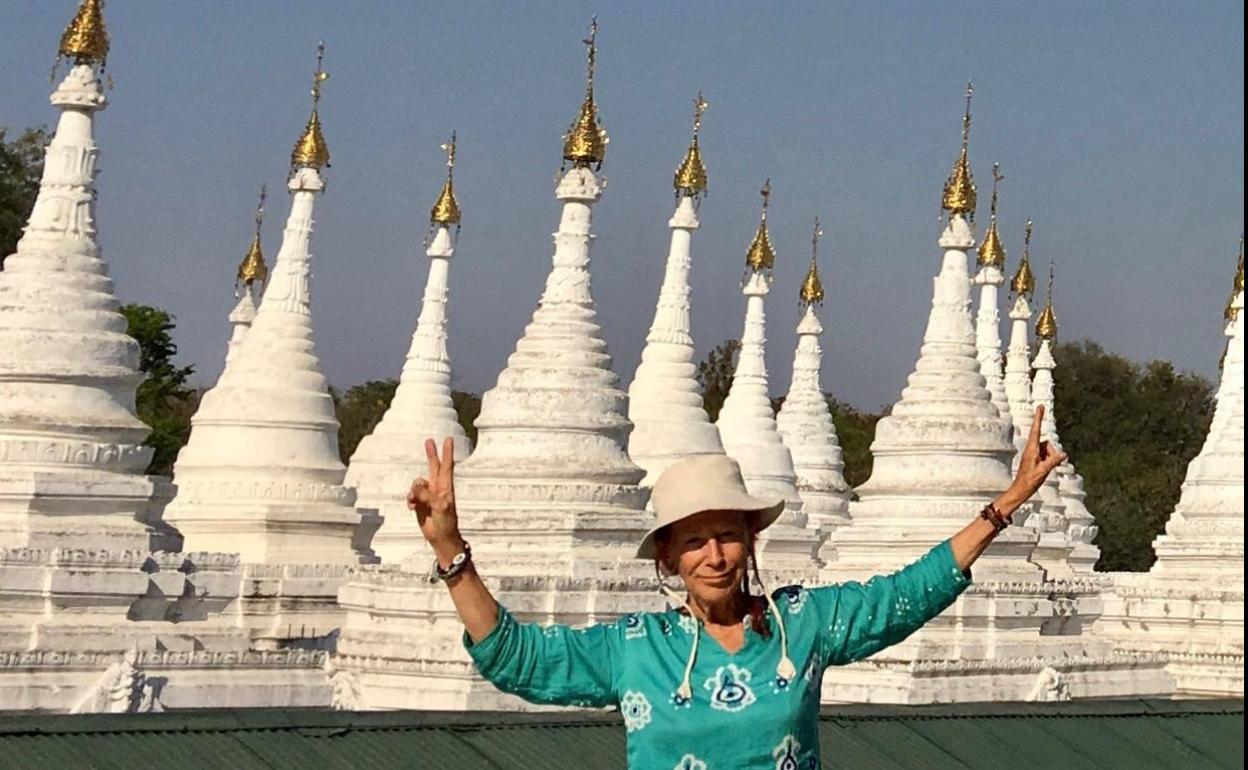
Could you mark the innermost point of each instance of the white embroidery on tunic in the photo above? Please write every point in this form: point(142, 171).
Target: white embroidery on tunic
point(687, 624)
point(633, 627)
point(690, 762)
point(636, 711)
point(786, 755)
point(730, 690)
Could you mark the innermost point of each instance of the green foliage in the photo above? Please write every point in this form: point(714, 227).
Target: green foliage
point(1131, 430)
point(855, 430)
point(21, 164)
point(361, 407)
point(467, 407)
point(163, 400)
point(359, 410)
point(715, 376)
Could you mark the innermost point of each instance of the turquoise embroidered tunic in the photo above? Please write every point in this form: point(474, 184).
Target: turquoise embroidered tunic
point(742, 714)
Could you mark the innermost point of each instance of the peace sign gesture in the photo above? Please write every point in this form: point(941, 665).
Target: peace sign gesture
point(433, 499)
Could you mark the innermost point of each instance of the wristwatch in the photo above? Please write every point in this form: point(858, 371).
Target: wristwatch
point(458, 565)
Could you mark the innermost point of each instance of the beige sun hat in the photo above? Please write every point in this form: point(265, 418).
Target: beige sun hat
point(705, 483)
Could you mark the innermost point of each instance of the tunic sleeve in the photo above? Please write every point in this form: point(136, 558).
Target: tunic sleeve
point(555, 664)
point(858, 620)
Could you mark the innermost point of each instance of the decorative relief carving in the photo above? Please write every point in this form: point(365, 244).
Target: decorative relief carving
point(151, 659)
point(211, 490)
point(120, 458)
point(1050, 687)
point(346, 687)
point(122, 689)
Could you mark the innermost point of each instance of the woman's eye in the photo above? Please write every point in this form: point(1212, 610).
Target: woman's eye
point(694, 543)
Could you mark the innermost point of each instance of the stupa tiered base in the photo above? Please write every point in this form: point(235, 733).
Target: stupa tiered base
point(1196, 627)
point(96, 630)
point(1005, 641)
point(403, 646)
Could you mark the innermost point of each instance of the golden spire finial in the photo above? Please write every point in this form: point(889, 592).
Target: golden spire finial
point(1046, 324)
point(690, 176)
point(1024, 281)
point(960, 196)
point(252, 269)
point(585, 143)
point(311, 151)
point(1237, 287)
point(761, 256)
point(992, 250)
point(812, 288)
point(85, 40)
point(446, 209)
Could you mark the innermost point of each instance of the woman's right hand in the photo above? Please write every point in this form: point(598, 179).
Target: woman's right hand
point(433, 500)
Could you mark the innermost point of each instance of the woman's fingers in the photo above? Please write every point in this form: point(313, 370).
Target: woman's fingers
point(431, 454)
point(1056, 459)
point(1037, 421)
point(448, 462)
point(418, 494)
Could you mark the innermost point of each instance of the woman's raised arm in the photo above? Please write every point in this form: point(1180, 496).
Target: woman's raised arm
point(543, 664)
point(1034, 466)
point(433, 500)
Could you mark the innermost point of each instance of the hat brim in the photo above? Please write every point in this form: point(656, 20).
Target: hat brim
point(766, 512)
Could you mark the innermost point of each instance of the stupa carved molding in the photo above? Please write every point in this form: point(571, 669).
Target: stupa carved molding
point(117, 458)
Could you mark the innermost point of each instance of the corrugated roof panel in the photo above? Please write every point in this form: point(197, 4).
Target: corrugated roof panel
point(1072, 736)
point(600, 746)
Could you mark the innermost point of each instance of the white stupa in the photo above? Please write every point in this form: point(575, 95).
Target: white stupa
point(1018, 354)
point(665, 401)
point(1190, 605)
point(99, 613)
point(71, 454)
point(942, 454)
point(549, 500)
point(1204, 538)
point(249, 283)
point(944, 450)
point(747, 424)
point(988, 320)
point(385, 462)
point(805, 419)
point(260, 473)
point(1046, 513)
point(1079, 527)
point(550, 489)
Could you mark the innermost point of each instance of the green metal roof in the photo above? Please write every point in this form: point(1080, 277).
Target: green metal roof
point(1185, 735)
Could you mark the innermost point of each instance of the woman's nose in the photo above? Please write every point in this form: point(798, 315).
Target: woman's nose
point(715, 553)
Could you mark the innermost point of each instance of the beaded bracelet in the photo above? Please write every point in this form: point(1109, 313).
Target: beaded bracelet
point(994, 517)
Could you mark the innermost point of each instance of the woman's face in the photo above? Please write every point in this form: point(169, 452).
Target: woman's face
point(710, 552)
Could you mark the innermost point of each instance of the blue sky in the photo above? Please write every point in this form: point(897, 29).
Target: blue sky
point(1119, 126)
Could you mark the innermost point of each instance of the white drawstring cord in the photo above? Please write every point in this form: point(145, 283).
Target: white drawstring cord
point(686, 688)
point(785, 669)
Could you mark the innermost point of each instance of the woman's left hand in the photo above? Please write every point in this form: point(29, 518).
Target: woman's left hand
point(1034, 466)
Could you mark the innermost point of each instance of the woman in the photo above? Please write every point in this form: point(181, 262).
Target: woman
point(730, 679)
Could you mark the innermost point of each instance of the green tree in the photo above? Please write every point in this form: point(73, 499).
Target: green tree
point(361, 407)
point(467, 407)
point(163, 400)
point(21, 164)
point(856, 430)
point(1131, 430)
point(715, 376)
